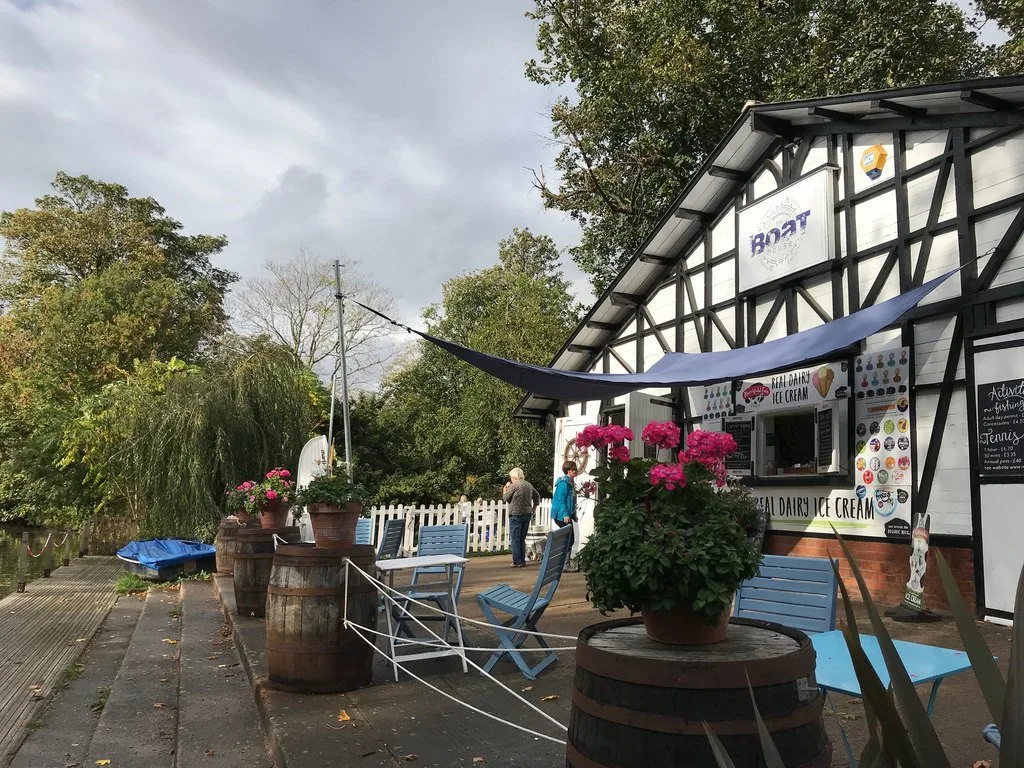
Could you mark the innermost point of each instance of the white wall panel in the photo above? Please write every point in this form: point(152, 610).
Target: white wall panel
point(817, 155)
point(950, 501)
point(882, 341)
point(1009, 310)
point(998, 171)
point(922, 146)
point(920, 191)
point(875, 219)
point(764, 183)
point(697, 281)
point(662, 305)
point(944, 256)
point(988, 232)
point(627, 352)
point(723, 236)
point(723, 281)
point(932, 340)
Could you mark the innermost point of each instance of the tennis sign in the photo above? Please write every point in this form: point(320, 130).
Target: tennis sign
point(787, 231)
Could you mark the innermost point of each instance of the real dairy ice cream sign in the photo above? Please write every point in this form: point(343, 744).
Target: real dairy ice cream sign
point(793, 389)
point(786, 231)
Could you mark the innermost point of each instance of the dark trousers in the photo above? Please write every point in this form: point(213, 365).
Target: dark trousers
point(572, 535)
point(518, 526)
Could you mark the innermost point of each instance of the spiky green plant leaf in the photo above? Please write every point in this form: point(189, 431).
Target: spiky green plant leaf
point(990, 679)
point(772, 758)
point(1011, 732)
point(926, 742)
point(721, 756)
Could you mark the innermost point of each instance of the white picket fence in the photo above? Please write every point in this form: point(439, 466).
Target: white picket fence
point(488, 522)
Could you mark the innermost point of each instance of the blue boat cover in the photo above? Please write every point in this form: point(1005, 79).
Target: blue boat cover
point(692, 369)
point(161, 553)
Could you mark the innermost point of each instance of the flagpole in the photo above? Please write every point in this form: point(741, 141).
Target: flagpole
point(344, 369)
point(330, 423)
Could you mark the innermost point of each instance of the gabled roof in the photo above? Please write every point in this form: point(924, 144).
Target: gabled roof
point(737, 156)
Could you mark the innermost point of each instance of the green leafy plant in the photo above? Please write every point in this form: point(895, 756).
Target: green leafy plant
point(129, 583)
point(900, 731)
point(667, 535)
point(333, 490)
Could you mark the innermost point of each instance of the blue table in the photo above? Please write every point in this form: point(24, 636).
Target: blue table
point(924, 663)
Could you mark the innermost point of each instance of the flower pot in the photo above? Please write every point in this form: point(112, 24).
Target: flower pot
point(244, 518)
point(681, 626)
point(274, 514)
point(334, 524)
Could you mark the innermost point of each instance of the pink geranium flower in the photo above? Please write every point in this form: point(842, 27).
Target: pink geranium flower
point(619, 453)
point(662, 434)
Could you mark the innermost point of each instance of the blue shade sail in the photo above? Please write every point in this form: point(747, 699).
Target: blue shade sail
point(681, 369)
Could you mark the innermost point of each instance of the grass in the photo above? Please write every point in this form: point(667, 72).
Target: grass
point(489, 554)
point(72, 672)
point(129, 583)
point(34, 725)
point(102, 694)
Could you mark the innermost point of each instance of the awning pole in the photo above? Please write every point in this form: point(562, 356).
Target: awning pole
point(344, 369)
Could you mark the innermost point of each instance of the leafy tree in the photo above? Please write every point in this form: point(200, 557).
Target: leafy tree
point(450, 424)
point(1009, 15)
point(658, 83)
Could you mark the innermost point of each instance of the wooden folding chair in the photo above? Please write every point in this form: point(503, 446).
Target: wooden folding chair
point(799, 592)
point(434, 540)
point(364, 531)
point(526, 609)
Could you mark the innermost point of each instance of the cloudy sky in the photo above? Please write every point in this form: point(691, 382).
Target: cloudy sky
point(398, 133)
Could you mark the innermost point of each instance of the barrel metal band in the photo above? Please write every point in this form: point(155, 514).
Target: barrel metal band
point(720, 674)
point(671, 724)
point(575, 759)
point(307, 591)
point(255, 556)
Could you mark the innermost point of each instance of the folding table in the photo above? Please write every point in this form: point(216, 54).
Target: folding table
point(444, 648)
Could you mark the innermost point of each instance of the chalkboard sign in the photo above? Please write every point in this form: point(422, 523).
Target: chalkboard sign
point(742, 431)
point(824, 439)
point(1001, 427)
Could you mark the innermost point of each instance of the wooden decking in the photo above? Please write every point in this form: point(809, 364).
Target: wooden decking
point(42, 631)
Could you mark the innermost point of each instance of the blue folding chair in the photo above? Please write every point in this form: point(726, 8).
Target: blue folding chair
point(364, 531)
point(434, 540)
point(526, 609)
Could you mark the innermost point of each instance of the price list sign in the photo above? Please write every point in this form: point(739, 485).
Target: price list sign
point(1001, 427)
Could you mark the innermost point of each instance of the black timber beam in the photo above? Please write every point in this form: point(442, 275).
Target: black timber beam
point(832, 114)
point(626, 299)
point(773, 126)
point(932, 121)
point(981, 99)
point(597, 325)
point(898, 109)
point(650, 258)
point(582, 349)
point(732, 174)
point(689, 213)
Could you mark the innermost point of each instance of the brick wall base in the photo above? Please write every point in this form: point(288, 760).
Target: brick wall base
point(885, 567)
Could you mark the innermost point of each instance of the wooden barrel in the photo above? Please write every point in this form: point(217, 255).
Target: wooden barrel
point(640, 704)
point(224, 544)
point(254, 556)
point(308, 648)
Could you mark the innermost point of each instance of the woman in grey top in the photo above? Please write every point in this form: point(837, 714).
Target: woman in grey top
point(522, 499)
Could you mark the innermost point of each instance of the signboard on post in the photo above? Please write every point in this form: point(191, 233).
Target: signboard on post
point(1001, 427)
point(787, 231)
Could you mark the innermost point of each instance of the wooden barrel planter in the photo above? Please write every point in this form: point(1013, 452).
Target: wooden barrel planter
point(640, 704)
point(308, 648)
point(224, 545)
point(254, 556)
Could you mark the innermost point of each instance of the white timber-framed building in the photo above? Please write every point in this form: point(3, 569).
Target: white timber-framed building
point(805, 212)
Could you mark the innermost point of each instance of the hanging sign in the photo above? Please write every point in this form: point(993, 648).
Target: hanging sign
point(717, 402)
point(883, 435)
point(818, 509)
point(793, 389)
point(1001, 427)
point(787, 231)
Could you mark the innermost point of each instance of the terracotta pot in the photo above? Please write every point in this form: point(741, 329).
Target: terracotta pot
point(334, 525)
point(243, 517)
point(681, 626)
point(274, 514)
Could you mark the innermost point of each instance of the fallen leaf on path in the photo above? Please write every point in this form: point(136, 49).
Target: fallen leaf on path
point(211, 658)
point(102, 762)
point(410, 757)
point(163, 679)
point(211, 752)
point(527, 688)
point(982, 764)
point(477, 760)
point(343, 716)
point(35, 687)
point(158, 705)
point(552, 697)
point(169, 641)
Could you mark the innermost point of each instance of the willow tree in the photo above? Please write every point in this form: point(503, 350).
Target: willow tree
point(166, 443)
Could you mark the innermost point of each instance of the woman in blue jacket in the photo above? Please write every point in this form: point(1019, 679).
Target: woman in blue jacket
point(563, 503)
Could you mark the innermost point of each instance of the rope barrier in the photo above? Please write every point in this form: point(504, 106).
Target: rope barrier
point(66, 534)
point(442, 644)
point(484, 672)
point(49, 537)
point(466, 704)
point(484, 624)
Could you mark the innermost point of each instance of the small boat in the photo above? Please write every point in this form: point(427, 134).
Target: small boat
point(167, 559)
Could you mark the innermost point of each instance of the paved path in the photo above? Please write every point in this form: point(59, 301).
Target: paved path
point(44, 630)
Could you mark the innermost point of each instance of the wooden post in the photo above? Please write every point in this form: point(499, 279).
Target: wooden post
point(22, 561)
point(83, 541)
point(65, 555)
point(47, 556)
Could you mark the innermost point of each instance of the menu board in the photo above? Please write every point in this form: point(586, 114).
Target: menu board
point(825, 439)
point(1001, 427)
point(717, 402)
point(742, 431)
point(883, 435)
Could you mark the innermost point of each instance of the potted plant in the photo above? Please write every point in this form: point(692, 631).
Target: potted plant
point(671, 539)
point(335, 506)
point(236, 500)
point(271, 498)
